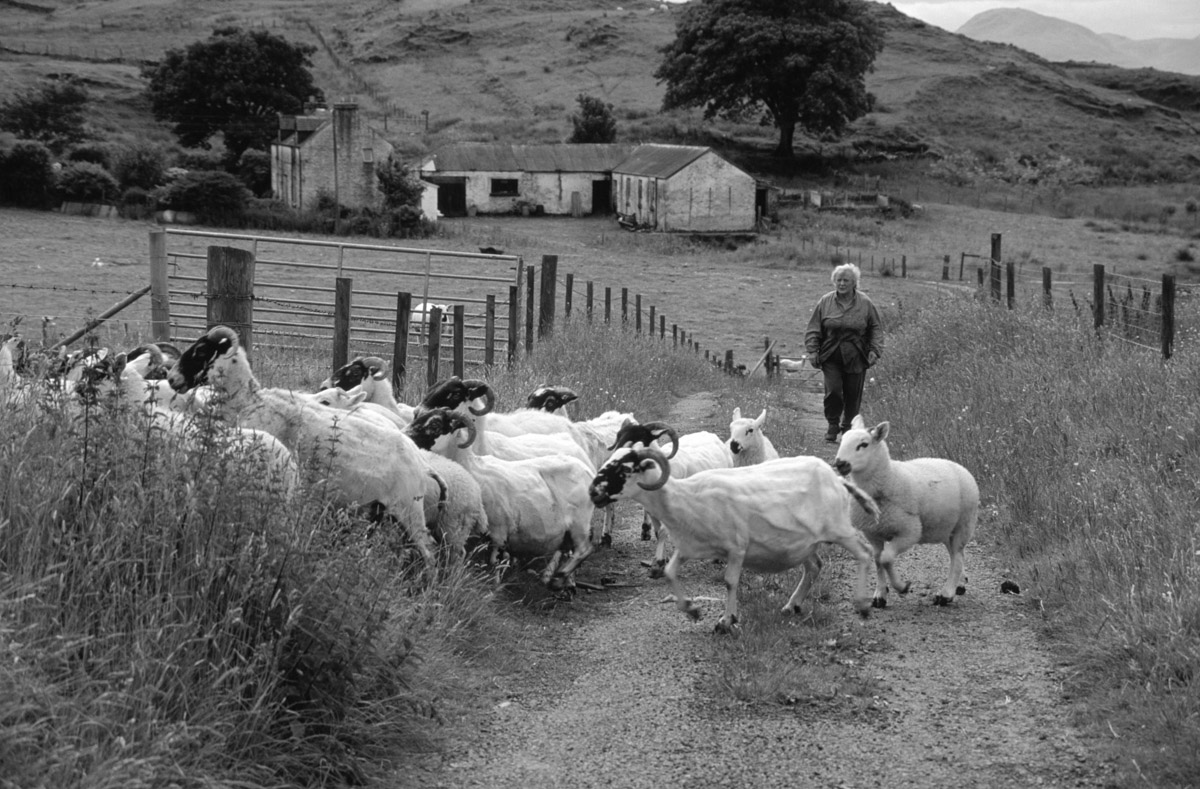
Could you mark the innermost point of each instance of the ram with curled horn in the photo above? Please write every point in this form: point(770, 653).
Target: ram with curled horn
point(770, 517)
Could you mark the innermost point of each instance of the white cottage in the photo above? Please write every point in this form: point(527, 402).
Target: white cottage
point(501, 178)
point(684, 188)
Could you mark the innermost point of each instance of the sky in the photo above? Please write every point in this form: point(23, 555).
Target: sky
point(1137, 19)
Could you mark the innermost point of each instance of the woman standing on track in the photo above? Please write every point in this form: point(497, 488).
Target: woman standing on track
point(844, 338)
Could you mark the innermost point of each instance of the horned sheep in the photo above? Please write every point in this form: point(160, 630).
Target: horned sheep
point(770, 517)
point(922, 500)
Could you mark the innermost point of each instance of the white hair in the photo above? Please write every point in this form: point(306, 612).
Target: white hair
point(845, 268)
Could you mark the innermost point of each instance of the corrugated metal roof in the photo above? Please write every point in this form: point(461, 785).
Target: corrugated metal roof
point(660, 161)
point(548, 158)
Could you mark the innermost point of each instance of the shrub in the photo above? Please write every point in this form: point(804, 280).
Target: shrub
point(27, 175)
point(136, 203)
point(197, 159)
point(215, 197)
point(1185, 255)
point(140, 164)
point(254, 168)
point(85, 182)
point(52, 114)
point(96, 153)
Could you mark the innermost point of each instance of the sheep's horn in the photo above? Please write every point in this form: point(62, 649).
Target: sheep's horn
point(153, 351)
point(222, 332)
point(374, 363)
point(654, 457)
point(477, 388)
point(660, 429)
point(459, 421)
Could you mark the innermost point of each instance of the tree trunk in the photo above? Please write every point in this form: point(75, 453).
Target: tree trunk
point(787, 135)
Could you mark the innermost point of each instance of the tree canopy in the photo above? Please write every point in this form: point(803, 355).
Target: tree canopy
point(792, 62)
point(594, 122)
point(235, 83)
point(51, 113)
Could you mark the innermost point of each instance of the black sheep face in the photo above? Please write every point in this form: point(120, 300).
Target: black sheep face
point(550, 398)
point(194, 364)
point(350, 375)
point(427, 427)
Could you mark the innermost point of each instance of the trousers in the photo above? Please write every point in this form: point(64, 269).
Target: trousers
point(843, 394)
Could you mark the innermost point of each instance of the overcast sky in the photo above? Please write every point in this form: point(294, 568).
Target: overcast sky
point(1130, 18)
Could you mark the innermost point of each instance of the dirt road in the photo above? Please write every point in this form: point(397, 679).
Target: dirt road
point(963, 696)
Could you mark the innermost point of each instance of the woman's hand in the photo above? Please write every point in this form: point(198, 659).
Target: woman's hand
point(872, 358)
point(815, 362)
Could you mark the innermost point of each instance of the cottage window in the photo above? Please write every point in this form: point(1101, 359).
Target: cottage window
point(368, 155)
point(505, 187)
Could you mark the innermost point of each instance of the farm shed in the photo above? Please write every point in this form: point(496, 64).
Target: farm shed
point(501, 178)
point(684, 188)
point(329, 152)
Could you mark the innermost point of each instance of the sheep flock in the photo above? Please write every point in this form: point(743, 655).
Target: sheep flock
point(531, 485)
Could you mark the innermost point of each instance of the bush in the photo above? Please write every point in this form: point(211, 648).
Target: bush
point(215, 197)
point(254, 168)
point(198, 159)
point(86, 182)
point(96, 153)
point(141, 164)
point(136, 203)
point(27, 175)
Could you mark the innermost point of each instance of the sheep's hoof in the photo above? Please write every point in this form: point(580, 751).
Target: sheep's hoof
point(606, 541)
point(879, 602)
point(960, 590)
point(724, 628)
point(645, 533)
point(941, 600)
point(692, 610)
point(656, 570)
point(907, 586)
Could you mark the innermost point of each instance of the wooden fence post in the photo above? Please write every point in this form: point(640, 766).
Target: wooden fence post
point(994, 280)
point(652, 320)
point(662, 327)
point(1010, 282)
point(567, 301)
point(343, 288)
point(231, 291)
point(1047, 295)
point(160, 295)
point(531, 273)
point(434, 347)
point(674, 335)
point(546, 305)
point(729, 362)
point(1097, 295)
point(400, 341)
point(607, 305)
point(514, 324)
point(1168, 315)
point(590, 299)
point(903, 266)
point(489, 331)
point(637, 317)
point(624, 306)
point(946, 267)
point(458, 350)
point(962, 261)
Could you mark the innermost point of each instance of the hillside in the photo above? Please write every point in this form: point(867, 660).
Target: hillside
point(481, 73)
point(1059, 40)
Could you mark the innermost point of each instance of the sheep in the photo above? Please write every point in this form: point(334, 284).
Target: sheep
point(923, 500)
point(114, 380)
point(371, 374)
point(692, 452)
point(367, 462)
point(550, 398)
point(747, 441)
point(8, 354)
point(535, 507)
point(770, 518)
point(422, 315)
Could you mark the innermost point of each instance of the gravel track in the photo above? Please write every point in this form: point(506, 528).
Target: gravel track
point(964, 696)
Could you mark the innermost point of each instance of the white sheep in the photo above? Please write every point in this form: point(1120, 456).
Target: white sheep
point(923, 500)
point(422, 315)
point(536, 507)
point(368, 462)
point(690, 453)
point(747, 441)
point(370, 375)
point(8, 354)
point(770, 517)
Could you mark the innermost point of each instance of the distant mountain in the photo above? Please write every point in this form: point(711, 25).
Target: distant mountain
point(1058, 40)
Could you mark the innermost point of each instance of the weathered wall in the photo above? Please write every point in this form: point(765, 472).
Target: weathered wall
point(710, 194)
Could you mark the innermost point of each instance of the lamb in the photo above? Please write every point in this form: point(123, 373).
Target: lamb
point(367, 462)
point(923, 500)
point(692, 452)
point(747, 441)
point(770, 517)
point(535, 507)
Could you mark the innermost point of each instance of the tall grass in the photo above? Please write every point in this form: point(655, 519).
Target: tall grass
point(167, 618)
point(1088, 456)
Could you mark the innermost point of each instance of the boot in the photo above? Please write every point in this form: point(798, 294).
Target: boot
point(831, 435)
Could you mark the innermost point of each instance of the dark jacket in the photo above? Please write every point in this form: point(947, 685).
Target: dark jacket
point(847, 337)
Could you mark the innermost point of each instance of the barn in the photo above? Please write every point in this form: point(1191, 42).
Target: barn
point(500, 178)
point(684, 188)
point(333, 153)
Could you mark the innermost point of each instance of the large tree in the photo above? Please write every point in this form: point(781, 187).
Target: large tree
point(236, 83)
point(51, 113)
point(792, 62)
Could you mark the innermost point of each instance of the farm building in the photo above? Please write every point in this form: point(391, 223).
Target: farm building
point(500, 178)
point(333, 153)
point(685, 188)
